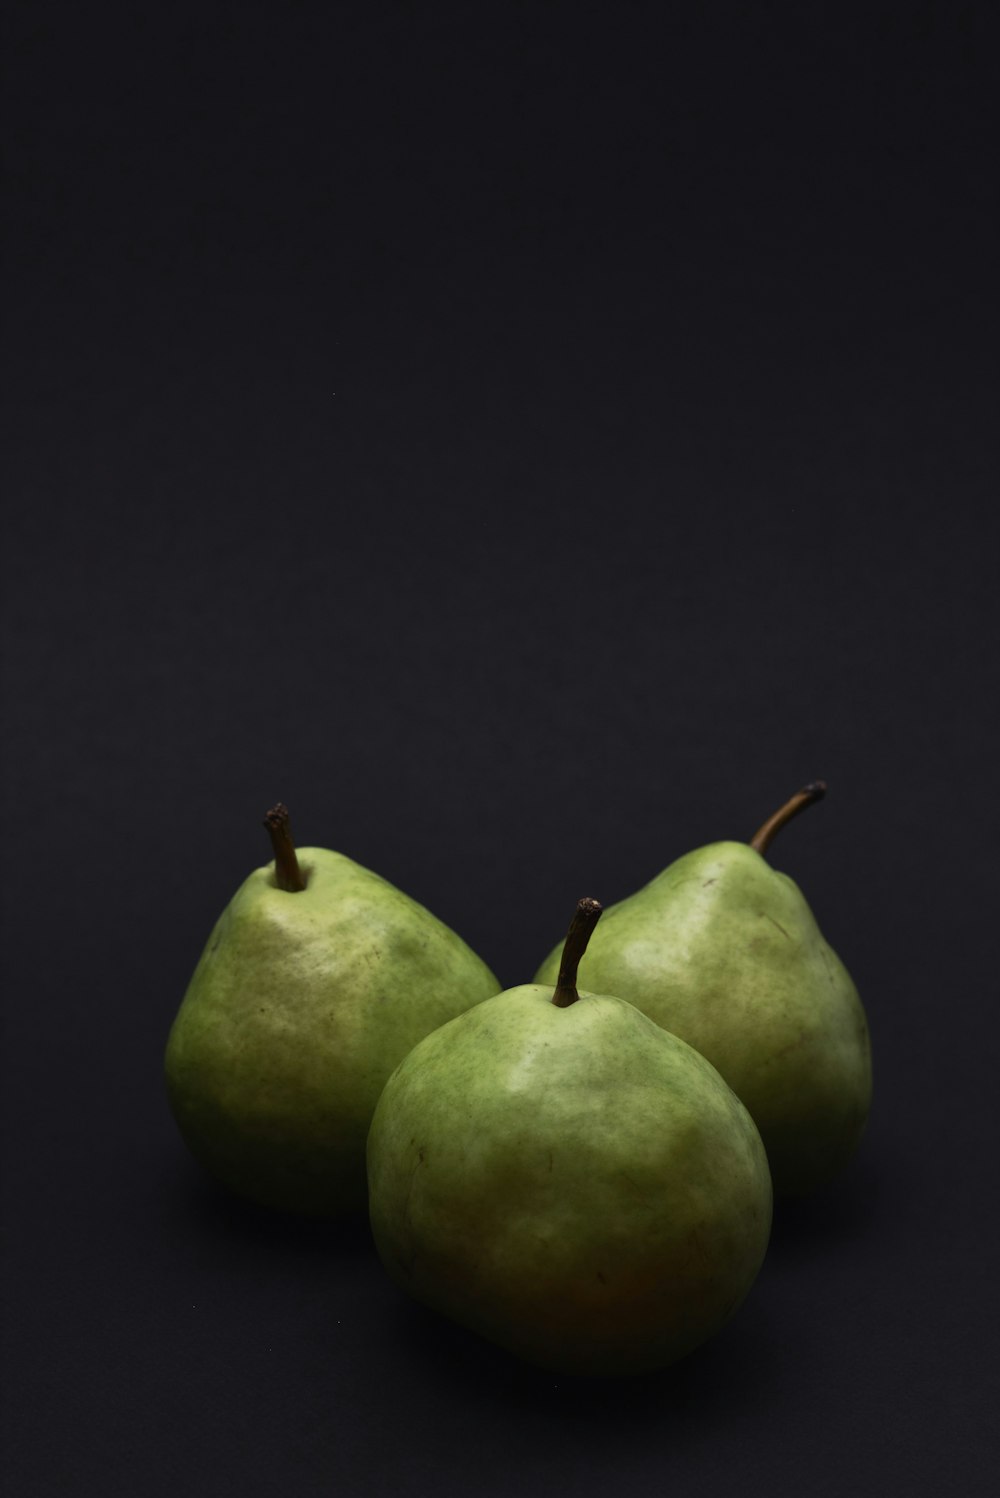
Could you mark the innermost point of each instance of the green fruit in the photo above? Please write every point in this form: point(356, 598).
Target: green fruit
point(558, 1173)
point(315, 983)
point(723, 951)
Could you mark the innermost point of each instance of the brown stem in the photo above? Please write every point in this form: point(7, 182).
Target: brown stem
point(287, 874)
point(763, 837)
point(585, 918)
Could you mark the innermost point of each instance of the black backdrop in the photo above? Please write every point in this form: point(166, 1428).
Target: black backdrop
point(530, 440)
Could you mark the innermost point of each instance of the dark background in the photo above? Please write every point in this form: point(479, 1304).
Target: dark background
point(530, 440)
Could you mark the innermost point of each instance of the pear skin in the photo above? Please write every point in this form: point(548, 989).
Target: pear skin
point(723, 951)
point(570, 1181)
point(303, 1002)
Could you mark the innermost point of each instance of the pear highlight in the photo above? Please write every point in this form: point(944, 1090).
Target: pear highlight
point(317, 980)
point(556, 1172)
point(723, 951)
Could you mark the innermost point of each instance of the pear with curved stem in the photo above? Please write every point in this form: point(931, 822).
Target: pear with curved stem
point(723, 951)
point(316, 981)
point(556, 1172)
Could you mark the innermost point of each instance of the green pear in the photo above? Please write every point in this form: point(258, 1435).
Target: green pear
point(560, 1174)
point(317, 979)
point(723, 951)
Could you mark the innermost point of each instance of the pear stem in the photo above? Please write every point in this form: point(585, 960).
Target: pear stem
point(764, 836)
point(585, 918)
point(287, 874)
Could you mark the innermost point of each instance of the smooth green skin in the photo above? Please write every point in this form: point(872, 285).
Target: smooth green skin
point(574, 1184)
point(723, 951)
point(301, 1006)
